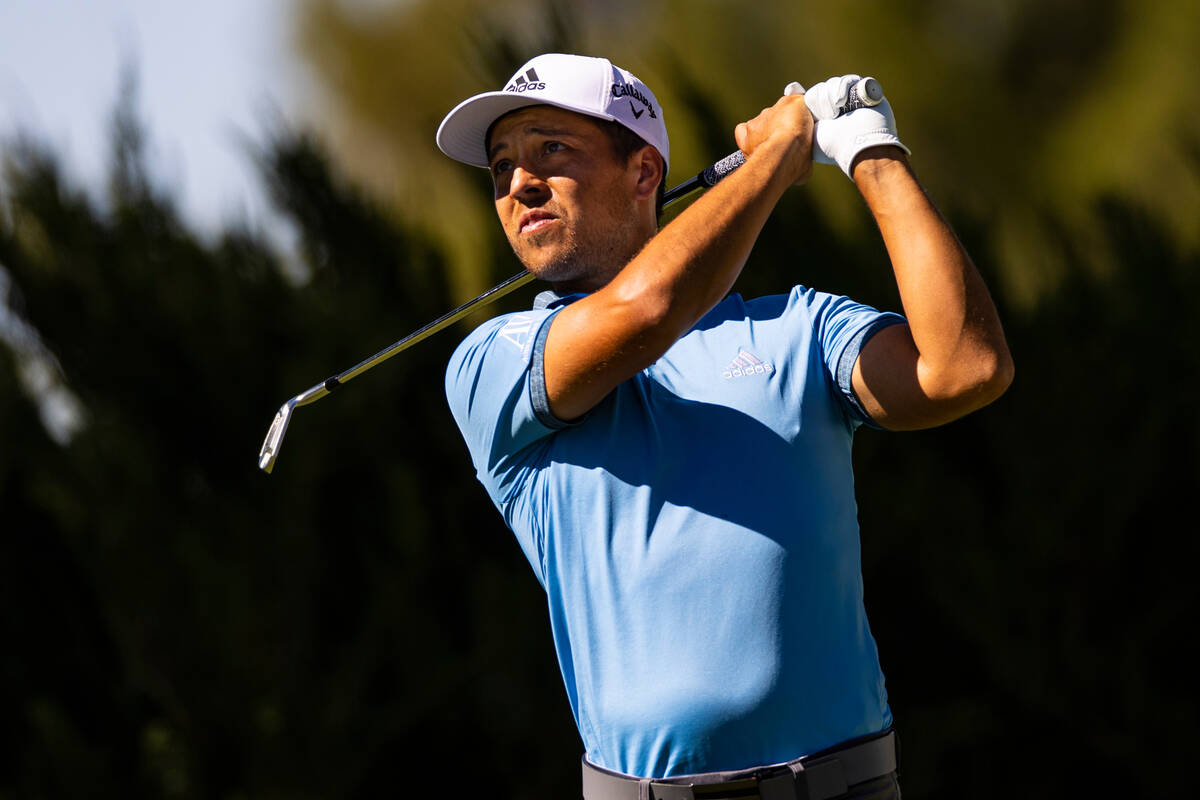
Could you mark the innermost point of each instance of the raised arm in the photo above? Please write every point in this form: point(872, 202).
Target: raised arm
point(681, 273)
point(951, 358)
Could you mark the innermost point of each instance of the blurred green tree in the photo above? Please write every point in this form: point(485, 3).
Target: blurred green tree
point(176, 623)
point(1017, 112)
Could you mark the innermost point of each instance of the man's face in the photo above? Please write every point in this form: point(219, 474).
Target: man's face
point(566, 203)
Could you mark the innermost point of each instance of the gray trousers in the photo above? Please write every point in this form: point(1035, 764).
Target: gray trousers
point(885, 788)
point(863, 769)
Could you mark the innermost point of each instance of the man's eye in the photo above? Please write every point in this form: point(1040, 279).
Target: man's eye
point(501, 167)
point(554, 147)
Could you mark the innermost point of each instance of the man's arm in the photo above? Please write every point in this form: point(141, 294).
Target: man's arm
point(687, 268)
point(951, 358)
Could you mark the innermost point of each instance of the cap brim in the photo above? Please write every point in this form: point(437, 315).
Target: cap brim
point(462, 133)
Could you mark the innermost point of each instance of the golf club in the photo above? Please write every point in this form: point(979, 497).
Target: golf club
point(866, 92)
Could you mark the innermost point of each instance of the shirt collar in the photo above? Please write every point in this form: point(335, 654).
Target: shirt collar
point(552, 299)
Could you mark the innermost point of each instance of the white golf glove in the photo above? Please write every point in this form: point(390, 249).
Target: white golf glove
point(840, 137)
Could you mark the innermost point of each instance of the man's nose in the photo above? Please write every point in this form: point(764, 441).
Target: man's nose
point(526, 184)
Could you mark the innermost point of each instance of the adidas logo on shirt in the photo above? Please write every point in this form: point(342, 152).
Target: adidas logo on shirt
point(745, 365)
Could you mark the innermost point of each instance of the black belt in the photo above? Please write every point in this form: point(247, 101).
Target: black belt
point(817, 777)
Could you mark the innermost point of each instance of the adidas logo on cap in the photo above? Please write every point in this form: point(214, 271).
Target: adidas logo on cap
point(526, 83)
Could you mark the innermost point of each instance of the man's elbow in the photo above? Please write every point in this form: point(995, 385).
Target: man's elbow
point(998, 375)
point(968, 386)
point(988, 377)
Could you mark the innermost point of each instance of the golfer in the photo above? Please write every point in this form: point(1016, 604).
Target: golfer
point(673, 459)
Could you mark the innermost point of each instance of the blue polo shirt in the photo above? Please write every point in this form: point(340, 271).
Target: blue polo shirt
point(696, 532)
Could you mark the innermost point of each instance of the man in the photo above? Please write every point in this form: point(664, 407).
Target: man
point(675, 462)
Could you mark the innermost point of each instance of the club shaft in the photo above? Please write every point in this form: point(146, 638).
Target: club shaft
point(271, 445)
point(444, 321)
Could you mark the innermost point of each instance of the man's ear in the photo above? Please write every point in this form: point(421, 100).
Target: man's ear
point(650, 171)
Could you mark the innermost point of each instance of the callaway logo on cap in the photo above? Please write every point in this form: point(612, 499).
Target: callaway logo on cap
point(591, 86)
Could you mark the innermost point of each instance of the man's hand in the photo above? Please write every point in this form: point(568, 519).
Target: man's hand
point(788, 125)
point(839, 139)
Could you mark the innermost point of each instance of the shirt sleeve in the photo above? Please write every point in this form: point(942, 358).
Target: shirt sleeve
point(842, 328)
point(492, 388)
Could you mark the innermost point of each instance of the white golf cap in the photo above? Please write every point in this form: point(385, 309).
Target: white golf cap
point(591, 86)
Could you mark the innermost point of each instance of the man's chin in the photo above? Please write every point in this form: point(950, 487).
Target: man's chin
point(552, 270)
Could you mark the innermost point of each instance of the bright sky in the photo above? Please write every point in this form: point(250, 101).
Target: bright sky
point(211, 73)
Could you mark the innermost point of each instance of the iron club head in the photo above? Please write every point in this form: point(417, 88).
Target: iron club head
point(270, 448)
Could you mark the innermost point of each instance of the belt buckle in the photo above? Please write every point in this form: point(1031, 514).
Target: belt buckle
point(740, 787)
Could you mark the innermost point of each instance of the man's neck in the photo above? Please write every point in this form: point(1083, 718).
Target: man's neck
point(598, 279)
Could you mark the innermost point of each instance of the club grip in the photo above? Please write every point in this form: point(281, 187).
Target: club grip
point(719, 170)
point(865, 93)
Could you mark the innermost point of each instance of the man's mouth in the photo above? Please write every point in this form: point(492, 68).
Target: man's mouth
point(534, 221)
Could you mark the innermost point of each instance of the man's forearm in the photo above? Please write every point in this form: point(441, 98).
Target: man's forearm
point(953, 322)
point(598, 342)
point(677, 277)
point(693, 262)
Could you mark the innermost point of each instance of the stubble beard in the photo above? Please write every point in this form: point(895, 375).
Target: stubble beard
point(575, 262)
point(553, 262)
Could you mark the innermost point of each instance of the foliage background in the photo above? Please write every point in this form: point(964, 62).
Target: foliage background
point(177, 624)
